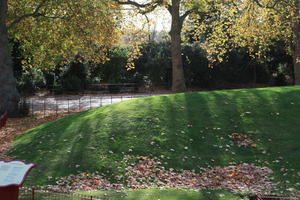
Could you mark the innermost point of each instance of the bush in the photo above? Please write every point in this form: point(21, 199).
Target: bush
point(155, 64)
point(74, 76)
point(195, 65)
point(279, 64)
point(72, 83)
point(31, 81)
point(239, 68)
point(114, 70)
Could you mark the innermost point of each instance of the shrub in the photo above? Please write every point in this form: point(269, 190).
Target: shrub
point(31, 81)
point(279, 63)
point(240, 68)
point(113, 71)
point(195, 65)
point(155, 64)
point(74, 76)
point(72, 83)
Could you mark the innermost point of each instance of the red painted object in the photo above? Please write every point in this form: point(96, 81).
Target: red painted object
point(9, 193)
point(12, 177)
point(3, 119)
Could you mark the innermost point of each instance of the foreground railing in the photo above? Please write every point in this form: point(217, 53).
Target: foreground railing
point(38, 194)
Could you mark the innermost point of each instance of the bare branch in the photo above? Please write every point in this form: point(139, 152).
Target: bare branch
point(187, 13)
point(143, 8)
point(169, 8)
point(267, 6)
point(132, 3)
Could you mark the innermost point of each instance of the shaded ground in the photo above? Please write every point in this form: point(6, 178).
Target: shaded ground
point(16, 126)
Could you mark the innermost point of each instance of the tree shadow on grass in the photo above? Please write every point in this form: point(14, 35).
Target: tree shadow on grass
point(185, 131)
point(54, 147)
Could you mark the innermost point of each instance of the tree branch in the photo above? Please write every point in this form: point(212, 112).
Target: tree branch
point(143, 8)
point(187, 13)
point(267, 6)
point(169, 8)
point(132, 3)
point(34, 14)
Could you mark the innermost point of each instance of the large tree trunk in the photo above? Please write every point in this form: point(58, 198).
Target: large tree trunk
point(178, 81)
point(297, 44)
point(9, 96)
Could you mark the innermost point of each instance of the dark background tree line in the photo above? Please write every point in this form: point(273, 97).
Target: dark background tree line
point(153, 69)
point(59, 37)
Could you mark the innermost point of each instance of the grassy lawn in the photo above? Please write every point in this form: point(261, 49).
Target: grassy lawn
point(144, 194)
point(164, 194)
point(187, 131)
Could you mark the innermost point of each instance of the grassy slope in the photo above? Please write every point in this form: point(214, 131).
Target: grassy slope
point(200, 121)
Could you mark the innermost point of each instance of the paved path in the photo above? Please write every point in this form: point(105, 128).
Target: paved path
point(77, 102)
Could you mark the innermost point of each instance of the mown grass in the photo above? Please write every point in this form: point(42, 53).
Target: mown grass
point(164, 194)
point(195, 125)
point(143, 194)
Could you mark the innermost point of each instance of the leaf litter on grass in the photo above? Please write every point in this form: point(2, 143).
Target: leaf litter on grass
point(16, 126)
point(242, 140)
point(149, 173)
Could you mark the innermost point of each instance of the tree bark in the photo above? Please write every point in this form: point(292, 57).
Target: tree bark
point(297, 44)
point(178, 81)
point(9, 95)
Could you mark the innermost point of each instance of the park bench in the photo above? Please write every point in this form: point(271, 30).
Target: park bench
point(3, 119)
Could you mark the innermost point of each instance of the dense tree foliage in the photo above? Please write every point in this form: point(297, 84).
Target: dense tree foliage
point(52, 32)
point(57, 30)
point(255, 25)
point(153, 69)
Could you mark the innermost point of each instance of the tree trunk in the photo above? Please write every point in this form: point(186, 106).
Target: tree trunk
point(297, 44)
point(178, 81)
point(9, 96)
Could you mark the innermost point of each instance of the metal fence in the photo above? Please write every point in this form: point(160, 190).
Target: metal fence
point(37, 194)
point(68, 104)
